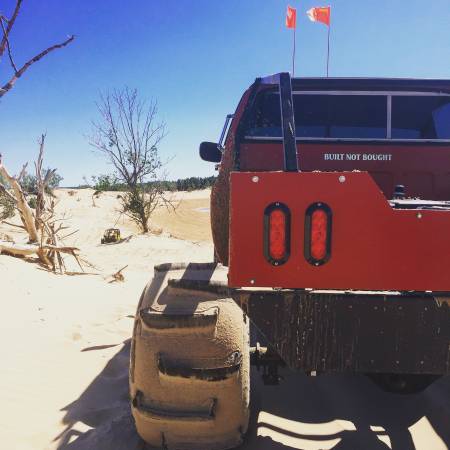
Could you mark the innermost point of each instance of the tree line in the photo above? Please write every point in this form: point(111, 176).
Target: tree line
point(112, 183)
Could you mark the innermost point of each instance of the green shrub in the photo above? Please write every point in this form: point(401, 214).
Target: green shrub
point(32, 202)
point(29, 183)
point(107, 183)
point(6, 207)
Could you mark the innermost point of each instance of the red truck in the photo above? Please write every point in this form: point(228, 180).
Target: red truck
point(331, 228)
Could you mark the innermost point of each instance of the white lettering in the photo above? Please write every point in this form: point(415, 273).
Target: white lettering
point(357, 157)
point(334, 156)
point(352, 156)
point(376, 157)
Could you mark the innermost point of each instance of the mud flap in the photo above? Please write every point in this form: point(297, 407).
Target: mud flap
point(356, 332)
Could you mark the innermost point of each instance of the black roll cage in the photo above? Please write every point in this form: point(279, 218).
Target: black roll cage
point(287, 119)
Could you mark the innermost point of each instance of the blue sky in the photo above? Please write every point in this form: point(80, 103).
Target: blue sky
point(196, 58)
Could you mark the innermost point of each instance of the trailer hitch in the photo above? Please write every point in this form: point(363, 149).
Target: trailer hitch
point(269, 361)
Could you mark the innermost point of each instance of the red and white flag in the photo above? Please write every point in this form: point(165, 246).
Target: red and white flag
point(291, 17)
point(320, 14)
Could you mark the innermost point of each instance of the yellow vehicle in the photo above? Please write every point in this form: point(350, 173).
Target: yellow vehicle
point(111, 235)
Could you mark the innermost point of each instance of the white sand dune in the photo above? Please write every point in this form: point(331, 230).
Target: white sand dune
point(65, 350)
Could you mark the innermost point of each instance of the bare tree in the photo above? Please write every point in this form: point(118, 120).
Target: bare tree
point(6, 25)
point(128, 134)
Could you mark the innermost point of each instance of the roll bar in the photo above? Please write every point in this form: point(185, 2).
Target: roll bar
point(287, 118)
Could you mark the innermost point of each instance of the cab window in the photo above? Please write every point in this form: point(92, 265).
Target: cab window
point(323, 116)
point(355, 116)
point(421, 117)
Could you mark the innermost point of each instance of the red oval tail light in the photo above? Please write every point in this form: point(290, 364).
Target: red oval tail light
point(318, 234)
point(277, 222)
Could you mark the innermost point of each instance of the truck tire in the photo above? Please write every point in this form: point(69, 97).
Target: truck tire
point(189, 368)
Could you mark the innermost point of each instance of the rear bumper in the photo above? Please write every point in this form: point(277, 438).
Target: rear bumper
point(355, 332)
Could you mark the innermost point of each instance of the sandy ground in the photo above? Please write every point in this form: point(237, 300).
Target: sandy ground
point(64, 373)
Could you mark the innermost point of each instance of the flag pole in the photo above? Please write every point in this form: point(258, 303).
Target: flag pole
point(293, 57)
point(328, 49)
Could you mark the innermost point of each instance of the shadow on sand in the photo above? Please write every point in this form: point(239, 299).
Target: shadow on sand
point(343, 412)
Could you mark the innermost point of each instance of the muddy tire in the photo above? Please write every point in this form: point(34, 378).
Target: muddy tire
point(189, 371)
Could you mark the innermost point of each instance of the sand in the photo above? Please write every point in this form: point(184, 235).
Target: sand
point(64, 373)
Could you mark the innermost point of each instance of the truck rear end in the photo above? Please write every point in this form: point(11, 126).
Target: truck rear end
point(339, 231)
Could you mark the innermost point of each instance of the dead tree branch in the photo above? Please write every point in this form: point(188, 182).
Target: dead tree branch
point(42, 226)
point(11, 21)
point(118, 276)
point(5, 44)
point(12, 81)
point(8, 46)
point(26, 214)
point(22, 172)
point(13, 225)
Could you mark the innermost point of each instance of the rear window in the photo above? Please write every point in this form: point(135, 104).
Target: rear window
point(342, 116)
point(357, 116)
point(323, 116)
point(420, 117)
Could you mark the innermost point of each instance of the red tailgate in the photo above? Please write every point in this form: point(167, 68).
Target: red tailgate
point(373, 246)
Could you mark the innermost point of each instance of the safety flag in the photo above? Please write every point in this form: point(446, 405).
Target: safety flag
point(320, 14)
point(291, 17)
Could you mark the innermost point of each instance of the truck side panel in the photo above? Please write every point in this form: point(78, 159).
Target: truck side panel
point(424, 169)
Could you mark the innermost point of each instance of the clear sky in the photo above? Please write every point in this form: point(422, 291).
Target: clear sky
point(195, 57)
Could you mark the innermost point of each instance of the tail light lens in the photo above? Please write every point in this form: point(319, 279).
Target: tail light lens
point(318, 234)
point(277, 226)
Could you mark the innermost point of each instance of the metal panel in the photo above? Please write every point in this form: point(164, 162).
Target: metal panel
point(400, 160)
point(371, 84)
point(378, 93)
point(374, 247)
